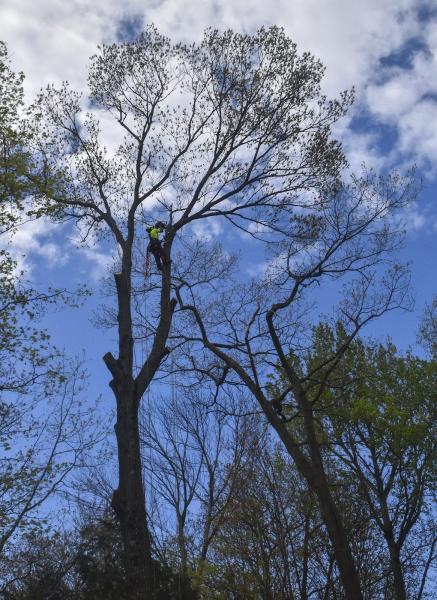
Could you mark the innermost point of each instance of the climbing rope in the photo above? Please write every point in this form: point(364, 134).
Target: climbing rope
point(145, 411)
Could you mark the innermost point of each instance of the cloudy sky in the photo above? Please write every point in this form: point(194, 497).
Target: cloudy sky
point(386, 49)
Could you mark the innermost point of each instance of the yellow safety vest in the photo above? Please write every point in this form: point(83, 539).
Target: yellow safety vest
point(154, 233)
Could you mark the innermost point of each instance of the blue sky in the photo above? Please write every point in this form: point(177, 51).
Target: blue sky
point(387, 50)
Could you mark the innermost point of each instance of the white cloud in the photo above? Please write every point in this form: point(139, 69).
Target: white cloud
point(57, 247)
point(418, 132)
point(56, 38)
point(406, 99)
point(416, 221)
point(97, 262)
point(207, 230)
point(360, 147)
point(36, 238)
point(96, 259)
point(349, 36)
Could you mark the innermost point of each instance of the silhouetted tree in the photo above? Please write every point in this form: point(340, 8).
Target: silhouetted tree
point(234, 126)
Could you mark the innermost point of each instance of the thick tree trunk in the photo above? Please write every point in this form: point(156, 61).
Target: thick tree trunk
point(339, 541)
point(314, 473)
point(312, 468)
point(182, 545)
point(128, 500)
point(330, 512)
point(400, 592)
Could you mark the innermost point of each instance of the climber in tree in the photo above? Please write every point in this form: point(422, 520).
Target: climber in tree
point(154, 246)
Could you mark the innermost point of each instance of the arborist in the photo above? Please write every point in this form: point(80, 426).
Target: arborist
point(154, 246)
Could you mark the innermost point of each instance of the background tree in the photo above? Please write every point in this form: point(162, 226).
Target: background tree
point(272, 544)
point(22, 173)
point(380, 415)
point(44, 436)
point(254, 327)
point(38, 567)
point(428, 328)
point(192, 457)
point(44, 431)
point(79, 565)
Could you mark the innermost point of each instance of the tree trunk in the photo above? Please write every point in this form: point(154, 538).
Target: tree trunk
point(330, 512)
point(182, 544)
point(396, 567)
point(128, 499)
point(314, 473)
point(339, 541)
point(312, 469)
point(329, 585)
point(305, 558)
point(128, 502)
point(387, 529)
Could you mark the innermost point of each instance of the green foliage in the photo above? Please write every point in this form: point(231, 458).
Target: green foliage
point(378, 410)
point(272, 534)
point(387, 397)
point(24, 172)
point(41, 427)
point(83, 565)
point(13, 157)
point(428, 329)
point(375, 414)
point(35, 570)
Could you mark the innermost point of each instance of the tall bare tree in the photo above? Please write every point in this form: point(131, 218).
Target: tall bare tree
point(233, 126)
point(254, 328)
point(193, 455)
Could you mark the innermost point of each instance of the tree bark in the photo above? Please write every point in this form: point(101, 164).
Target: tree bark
point(313, 469)
point(339, 541)
point(396, 567)
point(313, 472)
point(182, 545)
point(128, 501)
